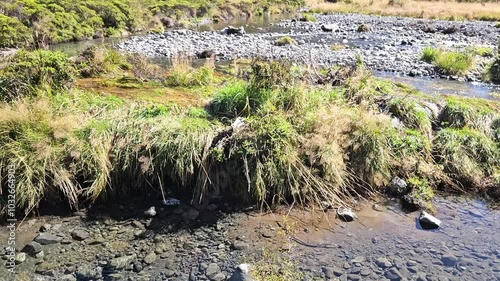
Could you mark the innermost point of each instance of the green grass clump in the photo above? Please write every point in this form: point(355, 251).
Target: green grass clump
point(182, 74)
point(411, 114)
point(467, 155)
point(371, 156)
point(96, 61)
point(467, 112)
point(450, 62)
point(497, 25)
point(237, 99)
point(483, 51)
point(309, 18)
point(29, 73)
point(285, 40)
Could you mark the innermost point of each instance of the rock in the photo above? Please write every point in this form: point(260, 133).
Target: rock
point(47, 238)
point(122, 262)
point(46, 227)
point(240, 245)
point(378, 208)
point(151, 212)
point(191, 214)
point(475, 213)
point(212, 207)
point(358, 259)
point(329, 27)
point(20, 258)
point(137, 224)
point(96, 241)
point(45, 268)
point(219, 277)
point(233, 31)
point(449, 259)
point(411, 203)
point(80, 234)
point(212, 270)
point(32, 248)
point(150, 258)
point(428, 221)
point(67, 277)
point(450, 30)
point(206, 54)
point(89, 272)
point(398, 186)
point(138, 267)
point(364, 28)
point(383, 263)
point(393, 274)
point(167, 22)
point(328, 271)
point(39, 255)
point(345, 214)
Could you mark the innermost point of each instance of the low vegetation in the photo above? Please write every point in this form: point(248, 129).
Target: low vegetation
point(493, 70)
point(448, 62)
point(285, 40)
point(38, 23)
point(265, 135)
point(448, 10)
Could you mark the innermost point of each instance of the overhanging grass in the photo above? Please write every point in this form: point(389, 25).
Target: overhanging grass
point(467, 155)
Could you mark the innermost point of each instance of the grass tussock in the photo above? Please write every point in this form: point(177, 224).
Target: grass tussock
point(284, 41)
point(182, 74)
point(463, 112)
point(468, 155)
point(449, 62)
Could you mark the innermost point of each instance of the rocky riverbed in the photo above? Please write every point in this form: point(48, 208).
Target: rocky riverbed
point(118, 242)
point(391, 44)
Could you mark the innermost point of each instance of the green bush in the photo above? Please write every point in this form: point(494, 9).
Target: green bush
point(13, 34)
point(28, 73)
point(95, 61)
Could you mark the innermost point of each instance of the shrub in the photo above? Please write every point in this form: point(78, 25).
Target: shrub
point(30, 72)
point(286, 40)
point(13, 33)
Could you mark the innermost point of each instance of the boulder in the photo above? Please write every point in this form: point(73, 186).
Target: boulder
point(122, 262)
point(167, 22)
point(364, 28)
point(151, 212)
point(345, 214)
point(230, 30)
point(47, 238)
point(329, 27)
point(410, 203)
point(427, 221)
point(206, 54)
point(241, 273)
point(212, 270)
point(20, 258)
point(80, 234)
point(398, 186)
point(32, 248)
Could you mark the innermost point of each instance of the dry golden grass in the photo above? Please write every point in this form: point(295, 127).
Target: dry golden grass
point(410, 8)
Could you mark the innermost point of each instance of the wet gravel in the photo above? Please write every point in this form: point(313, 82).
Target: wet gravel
point(181, 243)
point(391, 44)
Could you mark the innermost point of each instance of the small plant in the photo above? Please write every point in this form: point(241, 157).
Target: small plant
point(286, 40)
point(337, 47)
point(450, 62)
point(182, 74)
point(309, 18)
point(430, 54)
point(483, 51)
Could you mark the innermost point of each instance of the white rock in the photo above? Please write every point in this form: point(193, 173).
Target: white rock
point(427, 221)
